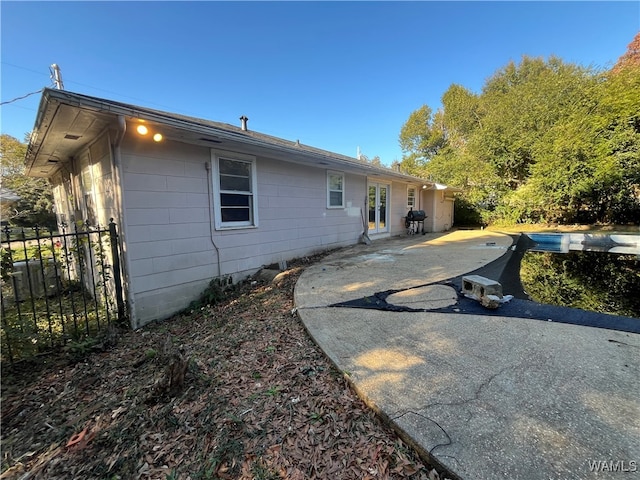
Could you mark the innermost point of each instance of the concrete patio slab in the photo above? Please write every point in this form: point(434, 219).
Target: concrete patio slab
point(486, 396)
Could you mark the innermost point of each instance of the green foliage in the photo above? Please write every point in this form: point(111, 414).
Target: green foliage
point(466, 214)
point(422, 135)
point(151, 353)
point(63, 295)
point(272, 391)
point(217, 291)
point(78, 349)
point(545, 141)
point(35, 206)
point(6, 264)
point(461, 115)
point(588, 280)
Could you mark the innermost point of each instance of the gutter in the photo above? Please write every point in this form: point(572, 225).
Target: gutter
point(116, 159)
point(196, 126)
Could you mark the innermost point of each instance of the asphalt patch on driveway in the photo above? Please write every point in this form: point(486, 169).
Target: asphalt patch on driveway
point(515, 308)
point(506, 270)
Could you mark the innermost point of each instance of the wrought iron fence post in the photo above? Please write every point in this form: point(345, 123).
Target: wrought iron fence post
point(113, 235)
point(84, 264)
point(7, 270)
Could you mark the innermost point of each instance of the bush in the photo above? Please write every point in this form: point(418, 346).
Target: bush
point(466, 214)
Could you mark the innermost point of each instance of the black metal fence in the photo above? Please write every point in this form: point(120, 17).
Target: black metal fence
point(58, 287)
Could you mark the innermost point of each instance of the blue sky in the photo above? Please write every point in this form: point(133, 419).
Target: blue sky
point(334, 75)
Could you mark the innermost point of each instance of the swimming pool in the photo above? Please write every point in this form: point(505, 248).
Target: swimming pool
point(594, 272)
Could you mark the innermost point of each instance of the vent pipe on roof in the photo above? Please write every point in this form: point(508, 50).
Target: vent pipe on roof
point(243, 124)
point(56, 76)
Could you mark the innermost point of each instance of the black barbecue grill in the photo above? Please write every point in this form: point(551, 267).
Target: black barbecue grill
point(414, 221)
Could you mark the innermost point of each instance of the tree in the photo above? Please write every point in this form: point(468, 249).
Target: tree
point(421, 137)
point(35, 206)
point(631, 57)
point(614, 193)
point(461, 115)
point(375, 161)
point(544, 141)
point(521, 103)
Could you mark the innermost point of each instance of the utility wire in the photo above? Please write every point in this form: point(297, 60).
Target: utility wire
point(97, 88)
point(20, 98)
point(146, 102)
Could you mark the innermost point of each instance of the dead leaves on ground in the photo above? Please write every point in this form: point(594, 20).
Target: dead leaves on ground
point(258, 401)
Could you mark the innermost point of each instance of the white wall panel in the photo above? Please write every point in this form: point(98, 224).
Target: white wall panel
point(145, 182)
point(148, 216)
point(169, 235)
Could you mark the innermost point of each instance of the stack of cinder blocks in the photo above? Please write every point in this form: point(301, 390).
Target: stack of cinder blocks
point(487, 291)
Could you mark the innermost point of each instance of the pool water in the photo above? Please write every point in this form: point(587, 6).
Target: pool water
point(599, 273)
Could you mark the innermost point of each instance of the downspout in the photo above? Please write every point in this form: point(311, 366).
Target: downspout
point(211, 224)
point(435, 206)
point(122, 213)
point(364, 238)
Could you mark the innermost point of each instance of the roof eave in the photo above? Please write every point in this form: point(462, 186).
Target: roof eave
point(52, 98)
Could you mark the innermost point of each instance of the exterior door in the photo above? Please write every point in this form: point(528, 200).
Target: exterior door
point(378, 207)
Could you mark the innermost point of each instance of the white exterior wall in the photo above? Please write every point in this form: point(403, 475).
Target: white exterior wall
point(168, 244)
point(172, 249)
point(61, 187)
point(440, 211)
point(102, 180)
point(169, 237)
point(398, 208)
point(88, 174)
point(428, 205)
point(293, 218)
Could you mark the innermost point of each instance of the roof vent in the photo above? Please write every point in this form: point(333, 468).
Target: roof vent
point(243, 124)
point(210, 140)
point(69, 136)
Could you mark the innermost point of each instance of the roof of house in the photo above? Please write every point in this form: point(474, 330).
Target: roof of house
point(67, 122)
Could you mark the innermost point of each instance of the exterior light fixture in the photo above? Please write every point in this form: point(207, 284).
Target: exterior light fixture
point(157, 137)
point(142, 130)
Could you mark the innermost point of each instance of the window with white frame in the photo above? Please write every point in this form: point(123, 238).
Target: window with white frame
point(335, 190)
point(235, 190)
point(411, 197)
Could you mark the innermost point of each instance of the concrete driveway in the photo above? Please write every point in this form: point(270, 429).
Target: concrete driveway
point(485, 396)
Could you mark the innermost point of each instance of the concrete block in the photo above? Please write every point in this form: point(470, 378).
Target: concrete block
point(480, 286)
point(490, 301)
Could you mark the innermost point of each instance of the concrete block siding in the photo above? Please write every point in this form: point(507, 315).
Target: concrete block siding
point(170, 241)
point(164, 201)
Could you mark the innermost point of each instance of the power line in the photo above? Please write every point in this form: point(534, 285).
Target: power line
point(23, 68)
point(147, 102)
point(23, 96)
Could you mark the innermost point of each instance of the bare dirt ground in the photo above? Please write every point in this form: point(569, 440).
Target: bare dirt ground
point(234, 390)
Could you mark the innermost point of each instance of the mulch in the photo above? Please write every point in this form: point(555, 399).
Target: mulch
point(232, 390)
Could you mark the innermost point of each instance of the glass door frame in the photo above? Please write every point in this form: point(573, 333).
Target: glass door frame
point(378, 213)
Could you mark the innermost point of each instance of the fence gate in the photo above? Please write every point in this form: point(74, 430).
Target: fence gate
point(58, 287)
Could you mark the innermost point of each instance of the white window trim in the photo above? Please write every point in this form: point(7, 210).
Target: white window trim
point(415, 195)
point(329, 174)
point(216, 155)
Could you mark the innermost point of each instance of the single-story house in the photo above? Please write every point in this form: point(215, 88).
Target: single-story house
point(196, 200)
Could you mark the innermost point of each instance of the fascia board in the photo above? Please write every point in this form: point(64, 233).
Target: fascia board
point(92, 103)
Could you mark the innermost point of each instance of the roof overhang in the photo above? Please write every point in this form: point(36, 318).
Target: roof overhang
point(62, 128)
point(68, 122)
point(446, 188)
